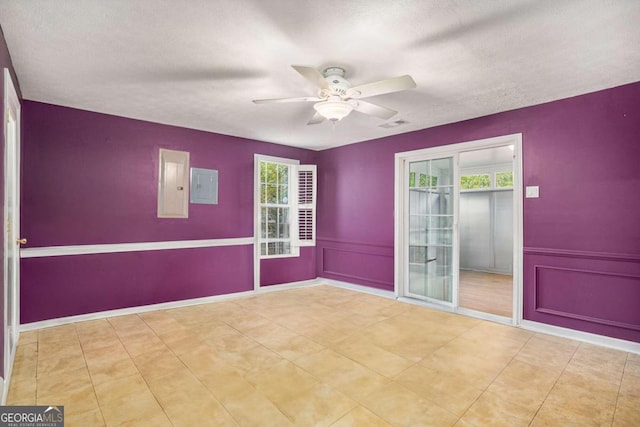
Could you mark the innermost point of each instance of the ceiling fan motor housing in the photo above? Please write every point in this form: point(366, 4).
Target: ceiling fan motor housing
point(335, 77)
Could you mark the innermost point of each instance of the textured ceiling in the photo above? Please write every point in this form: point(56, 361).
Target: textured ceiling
point(199, 63)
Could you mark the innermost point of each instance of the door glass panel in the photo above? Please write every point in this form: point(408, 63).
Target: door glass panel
point(431, 229)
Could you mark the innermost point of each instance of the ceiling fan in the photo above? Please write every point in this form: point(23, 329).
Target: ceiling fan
point(336, 97)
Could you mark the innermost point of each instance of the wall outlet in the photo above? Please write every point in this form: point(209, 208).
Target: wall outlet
point(532, 192)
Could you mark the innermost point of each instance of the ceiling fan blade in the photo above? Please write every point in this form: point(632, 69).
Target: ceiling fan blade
point(276, 100)
point(313, 75)
point(375, 110)
point(395, 84)
point(317, 118)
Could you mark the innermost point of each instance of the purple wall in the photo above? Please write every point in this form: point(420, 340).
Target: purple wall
point(5, 62)
point(92, 178)
point(283, 270)
point(583, 152)
point(102, 282)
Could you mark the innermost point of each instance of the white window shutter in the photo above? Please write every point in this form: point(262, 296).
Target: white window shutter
point(307, 205)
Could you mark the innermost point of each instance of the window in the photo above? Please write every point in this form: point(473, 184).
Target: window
point(475, 182)
point(504, 179)
point(275, 209)
point(286, 206)
point(486, 180)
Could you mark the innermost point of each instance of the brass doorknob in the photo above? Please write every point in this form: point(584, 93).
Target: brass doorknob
point(21, 241)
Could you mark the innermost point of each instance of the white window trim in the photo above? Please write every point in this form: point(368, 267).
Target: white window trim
point(293, 205)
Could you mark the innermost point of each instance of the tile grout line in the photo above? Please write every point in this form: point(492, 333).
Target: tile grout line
point(615, 408)
point(423, 358)
point(136, 366)
point(555, 382)
point(143, 377)
point(93, 386)
point(494, 378)
point(290, 361)
point(325, 347)
point(333, 347)
point(185, 366)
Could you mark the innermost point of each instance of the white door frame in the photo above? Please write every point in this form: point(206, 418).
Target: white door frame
point(11, 181)
point(453, 150)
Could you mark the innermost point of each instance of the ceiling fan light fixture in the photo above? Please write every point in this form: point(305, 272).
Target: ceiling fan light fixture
point(333, 110)
point(335, 97)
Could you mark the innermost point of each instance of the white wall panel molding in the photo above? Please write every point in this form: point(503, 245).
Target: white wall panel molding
point(50, 251)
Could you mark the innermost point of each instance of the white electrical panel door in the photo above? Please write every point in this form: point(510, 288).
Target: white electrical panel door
point(204, 186)
point(173, 184)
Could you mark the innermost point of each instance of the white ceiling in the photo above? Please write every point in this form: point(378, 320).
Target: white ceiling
point(199, 63)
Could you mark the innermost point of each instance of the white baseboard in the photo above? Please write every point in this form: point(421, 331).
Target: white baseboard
point(359, 288)
point(4, 391)
point(6, 381)
point(485, 316)
point(131, 310)
point(161, 306)
point(285, 286)
point(601, 340)
point(427, 304)
point(464, 311)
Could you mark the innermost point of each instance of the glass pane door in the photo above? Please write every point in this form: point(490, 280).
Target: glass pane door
point(430, 229)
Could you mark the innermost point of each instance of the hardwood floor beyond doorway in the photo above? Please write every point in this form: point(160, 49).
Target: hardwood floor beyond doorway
point(486, 292)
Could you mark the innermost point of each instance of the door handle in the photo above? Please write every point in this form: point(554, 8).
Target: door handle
point(22, 241)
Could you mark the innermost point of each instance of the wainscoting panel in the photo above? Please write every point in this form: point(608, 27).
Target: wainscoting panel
point(356, 262)
point(592, 292)
point(606, 298)
point(63, 286)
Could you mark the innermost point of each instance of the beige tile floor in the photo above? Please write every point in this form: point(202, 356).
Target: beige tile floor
point(320, 356)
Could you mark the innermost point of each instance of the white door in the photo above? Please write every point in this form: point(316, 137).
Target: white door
point(430, 232)
point(12, 220)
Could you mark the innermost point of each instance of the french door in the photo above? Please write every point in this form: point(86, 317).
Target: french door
point(426, 218)
point(431, 229)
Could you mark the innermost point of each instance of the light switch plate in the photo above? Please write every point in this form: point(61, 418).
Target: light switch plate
point(532, 192)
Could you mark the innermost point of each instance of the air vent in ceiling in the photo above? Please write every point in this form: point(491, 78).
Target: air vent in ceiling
point(394, 124)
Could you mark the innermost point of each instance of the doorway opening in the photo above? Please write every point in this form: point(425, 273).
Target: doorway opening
point(458, 228)
point(486, 230)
